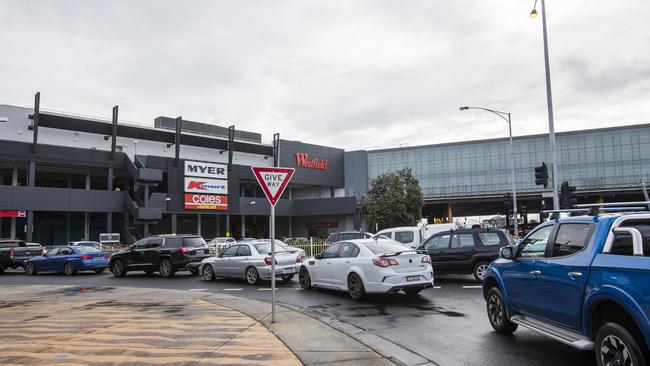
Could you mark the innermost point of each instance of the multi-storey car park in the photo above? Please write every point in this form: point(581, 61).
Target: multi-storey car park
point(67, 177)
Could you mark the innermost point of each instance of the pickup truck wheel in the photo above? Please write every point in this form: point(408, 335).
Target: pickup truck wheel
point(497, 314)
point(616, 346)
point(30, 268)
point(479, 270)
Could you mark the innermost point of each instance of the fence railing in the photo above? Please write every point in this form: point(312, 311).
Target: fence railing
point(311, 247)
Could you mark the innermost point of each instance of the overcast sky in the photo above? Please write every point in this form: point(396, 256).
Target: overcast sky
point(351, 74)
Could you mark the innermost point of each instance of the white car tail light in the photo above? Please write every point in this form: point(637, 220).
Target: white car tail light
point(426, 259)
point(384, 262)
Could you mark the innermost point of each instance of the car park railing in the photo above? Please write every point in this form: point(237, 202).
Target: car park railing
point(312, 247)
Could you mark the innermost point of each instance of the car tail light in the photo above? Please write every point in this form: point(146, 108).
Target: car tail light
point(108, 256)
point(86, 257)
point(43, 251)
point(298, 259)
point(11, 253)
point(267, 261)
point(426, 259)
point(384, 262)
point(184, 250)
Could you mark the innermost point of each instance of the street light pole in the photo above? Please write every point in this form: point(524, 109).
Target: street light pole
point(506, 117)
point(549, 104)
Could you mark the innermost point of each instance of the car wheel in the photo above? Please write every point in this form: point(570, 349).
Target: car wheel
point(304, 278)
point(68, 269)
point(252, 277)
point(118, 269)
point(208, 273)
point(497, 314)
point(480, 269)
point(355, 287)
point(30, 268)
point(166, 268)
point(616, 346)
point(412, 291)
point(287, 278)
point(100, 270)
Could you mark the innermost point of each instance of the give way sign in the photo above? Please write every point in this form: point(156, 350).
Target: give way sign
point(273, 181)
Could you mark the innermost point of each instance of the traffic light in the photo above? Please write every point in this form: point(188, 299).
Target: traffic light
point(568, 196)
point(541, 175)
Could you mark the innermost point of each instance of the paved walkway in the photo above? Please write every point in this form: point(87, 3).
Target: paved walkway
point(56, 325)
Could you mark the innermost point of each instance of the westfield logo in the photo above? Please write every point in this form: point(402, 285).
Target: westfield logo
point(302, 160)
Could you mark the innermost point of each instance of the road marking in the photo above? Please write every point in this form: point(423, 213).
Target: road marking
point(299, 289)
point(198, 289)
point(437, 286)
point(232, 289)
point(479, 286)
point(265, 289)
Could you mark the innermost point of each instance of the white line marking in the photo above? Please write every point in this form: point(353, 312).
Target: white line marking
point(198, 289)
point(437, 286)
point(265, 289)
point(472, 286)
point(299, 289)
point(232, 289)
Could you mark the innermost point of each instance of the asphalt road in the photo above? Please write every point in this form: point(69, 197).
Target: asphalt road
point(446, 325)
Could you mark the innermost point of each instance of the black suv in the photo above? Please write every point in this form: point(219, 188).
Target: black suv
point(163, 253)
point(465, 250)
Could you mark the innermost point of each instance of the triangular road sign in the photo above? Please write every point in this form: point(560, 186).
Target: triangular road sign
point(273, 181)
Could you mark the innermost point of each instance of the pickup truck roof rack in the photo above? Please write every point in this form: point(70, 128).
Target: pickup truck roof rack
point(593, 209)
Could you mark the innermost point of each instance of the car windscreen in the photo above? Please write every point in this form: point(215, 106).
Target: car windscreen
point(193, 242)
point(85, 250)
point(265, 248)
point(381, 247)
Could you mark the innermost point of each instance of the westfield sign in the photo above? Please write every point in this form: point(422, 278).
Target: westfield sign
point(303, 161)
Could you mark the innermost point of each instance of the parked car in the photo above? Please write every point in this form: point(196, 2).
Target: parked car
point(345, 235)
point(582, 281)
point(465, 250)
point(14, 253)
point(408, 235)
point(69, 260)
point(166, 254)
point(94, 244)
point(368, 266)
point(218, 244)
point(252, 261)
point(281, 245)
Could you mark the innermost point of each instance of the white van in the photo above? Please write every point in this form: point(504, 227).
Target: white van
point(413, 236)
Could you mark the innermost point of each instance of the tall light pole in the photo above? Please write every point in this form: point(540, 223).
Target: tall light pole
point(549, 104)
point(506, 117)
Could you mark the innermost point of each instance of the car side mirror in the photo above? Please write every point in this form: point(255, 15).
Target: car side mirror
point(318, 256)
point(507, 252)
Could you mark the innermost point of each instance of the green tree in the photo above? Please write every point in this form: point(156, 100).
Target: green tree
point(394, 199)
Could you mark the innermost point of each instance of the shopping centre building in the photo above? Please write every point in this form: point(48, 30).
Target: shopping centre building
point(67, 177)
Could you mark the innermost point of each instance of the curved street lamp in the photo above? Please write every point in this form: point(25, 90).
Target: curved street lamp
point(506, 117)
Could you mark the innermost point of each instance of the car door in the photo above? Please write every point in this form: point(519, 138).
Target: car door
point(521, 274)
point(149, 254)
point(134, 257)
point(61, 258)
point(223, 264)
point(563, 274)
point(436, 246)
point(47, 264)
point(321, 273)
point(458, 256)
point(340, 264)
point(241, 261)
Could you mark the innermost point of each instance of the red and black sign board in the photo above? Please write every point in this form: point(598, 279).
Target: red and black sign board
point(13, 214)
point(196, 201)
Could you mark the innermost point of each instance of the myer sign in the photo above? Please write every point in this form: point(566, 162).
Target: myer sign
point(206, 170)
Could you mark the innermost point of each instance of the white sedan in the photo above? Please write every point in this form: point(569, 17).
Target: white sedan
point(368, 266)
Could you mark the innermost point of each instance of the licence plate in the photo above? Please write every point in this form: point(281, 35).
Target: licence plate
point(412, 278)
point(200, 252)
point(288, 270)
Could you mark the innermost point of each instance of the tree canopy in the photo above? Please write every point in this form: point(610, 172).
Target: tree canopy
point(394, 199)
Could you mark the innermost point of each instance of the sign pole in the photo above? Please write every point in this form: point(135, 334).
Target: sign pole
point(272, 263)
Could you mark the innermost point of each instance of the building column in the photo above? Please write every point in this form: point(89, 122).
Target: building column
point(67, 227)
point(174, 223)
point(31, 182)
point(228, 224)
point(109, 215)
point(291, 226)
point(86, 214)
point(2, 182)
point(450, 213)
point(198, 224)
point(218, 228)
point(243, 226)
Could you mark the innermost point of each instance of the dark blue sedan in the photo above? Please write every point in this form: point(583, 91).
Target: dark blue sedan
point(69, 260)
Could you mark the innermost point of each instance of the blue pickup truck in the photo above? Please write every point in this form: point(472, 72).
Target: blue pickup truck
point(583, 281)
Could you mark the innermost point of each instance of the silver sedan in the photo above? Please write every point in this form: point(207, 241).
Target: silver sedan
point(252, 261)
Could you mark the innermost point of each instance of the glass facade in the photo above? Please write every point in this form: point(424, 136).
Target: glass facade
point(590, 160)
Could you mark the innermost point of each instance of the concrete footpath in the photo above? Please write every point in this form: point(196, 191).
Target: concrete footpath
point(64, 325)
